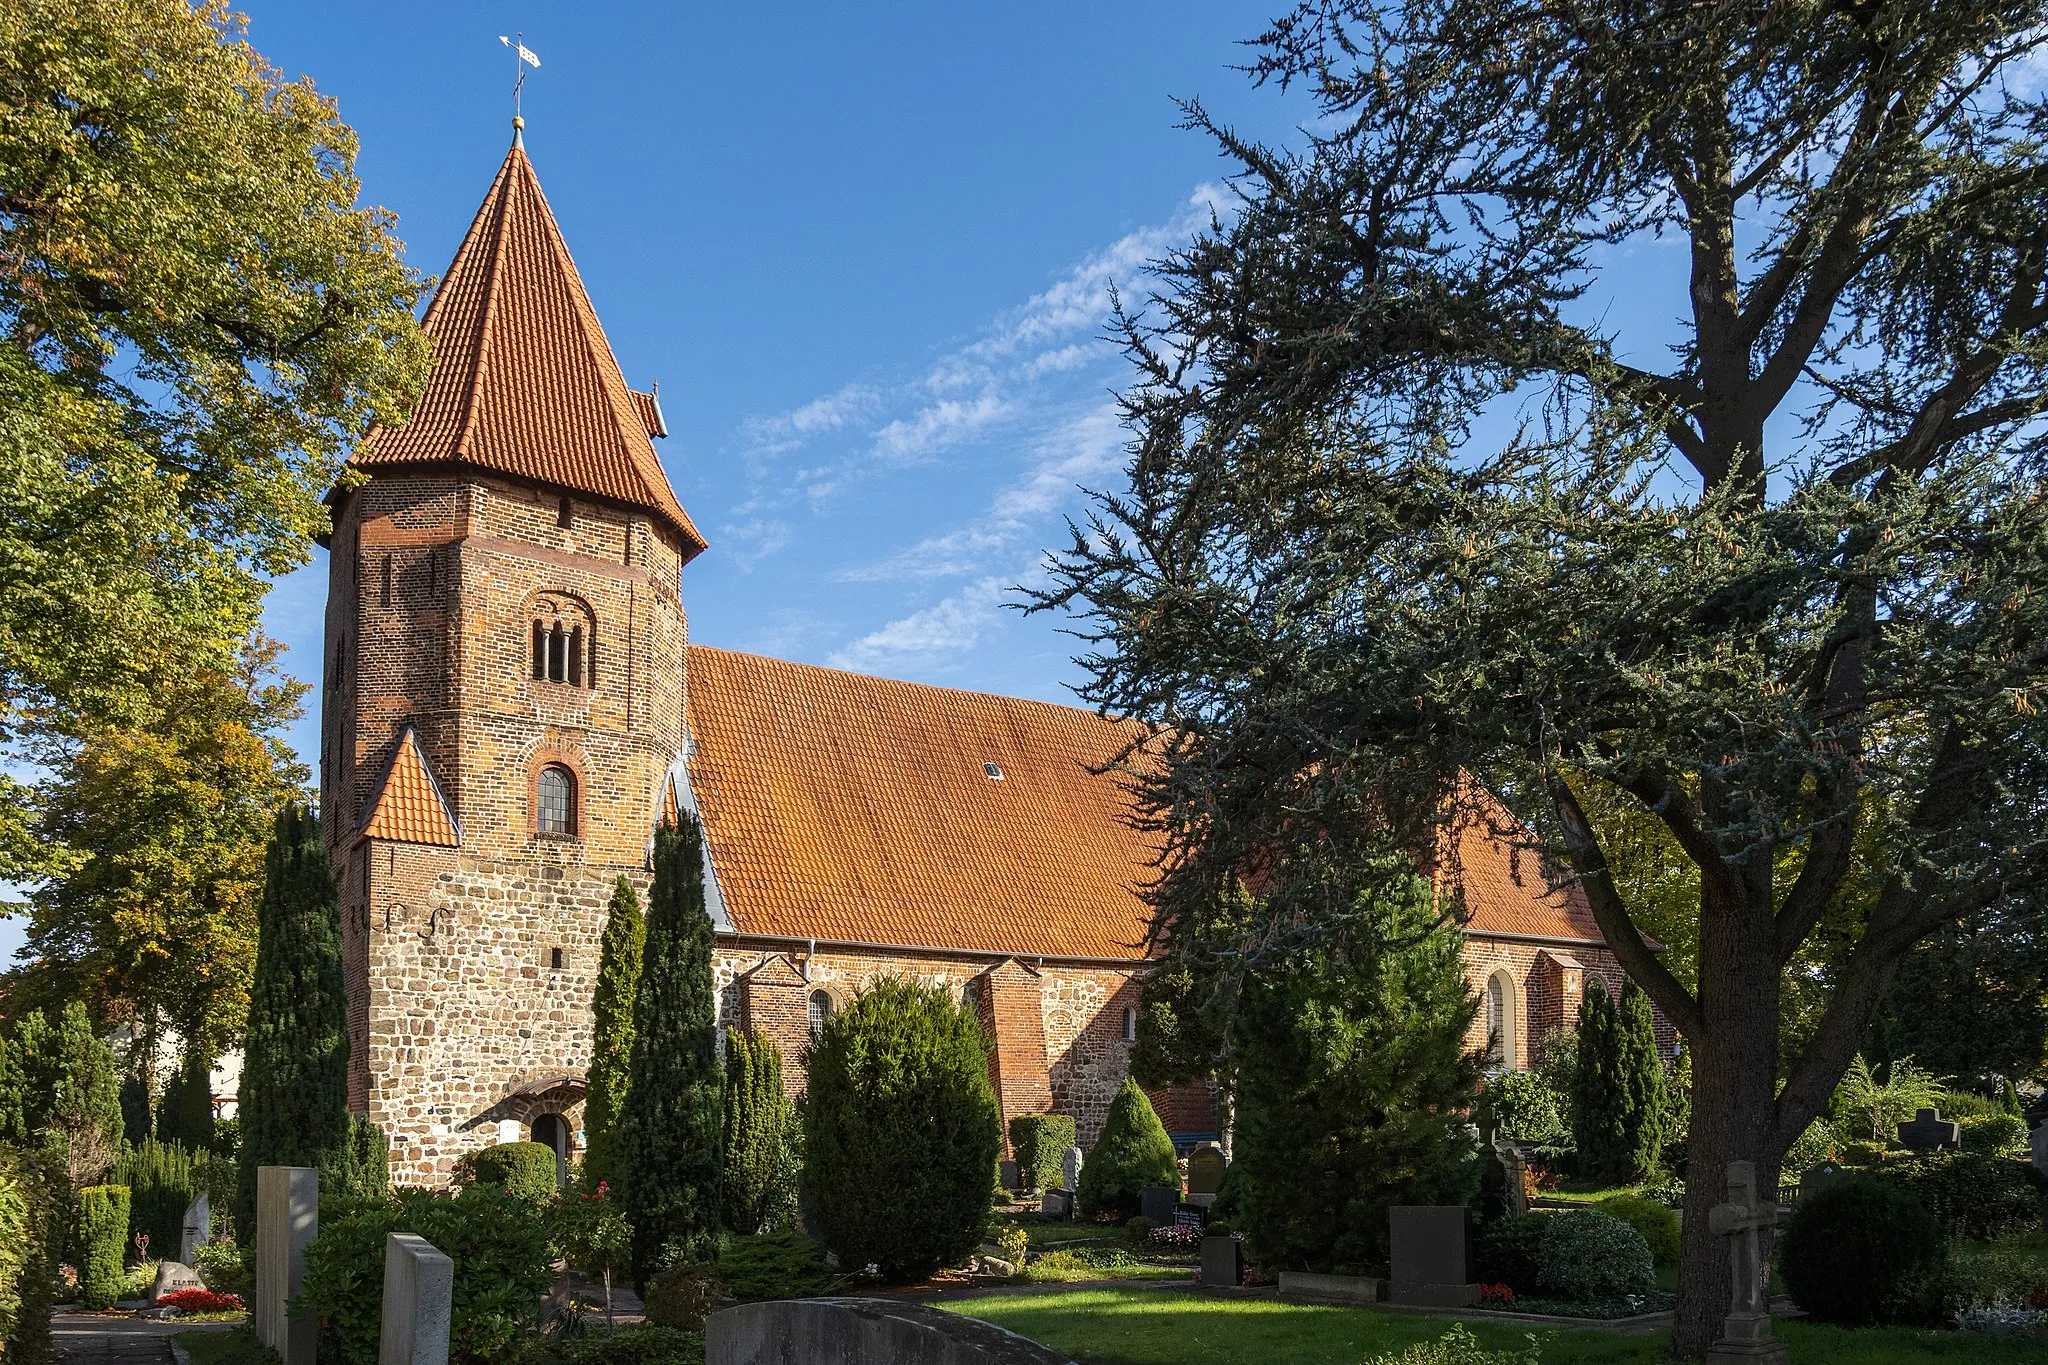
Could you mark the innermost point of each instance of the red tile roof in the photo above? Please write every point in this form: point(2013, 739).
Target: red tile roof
point(409, 807)
point(856, 809)
point(523, 381)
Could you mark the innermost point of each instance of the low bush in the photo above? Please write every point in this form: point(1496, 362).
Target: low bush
point(776, 1265)
point(1862, 1251)
point(1506, 1250)
point(1657, 1223)
point(1996, 1134)
point(102, 1244)
point(1133, 1153)
point(524, 1170)
point(503, 1265)
point(1861, 1154)
point(1040, 1142)
point(683, 1296)
point(1975, 1196)
point(1526, 1106)
point(642, 1343)
point(201, 1301)
point(223, 1267)
point(1138, 1227)
point(1458, 1347)
point(2008, 1273)
point(1587, 1255)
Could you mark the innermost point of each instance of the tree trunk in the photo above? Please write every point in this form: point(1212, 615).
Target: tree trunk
point(1734, 1100)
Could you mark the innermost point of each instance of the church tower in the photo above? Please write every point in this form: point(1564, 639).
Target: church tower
point(504, 697)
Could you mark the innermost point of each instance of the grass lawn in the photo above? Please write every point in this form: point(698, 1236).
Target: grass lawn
point(236, 1346)
point(1042, 1231)
point(1162, 1327)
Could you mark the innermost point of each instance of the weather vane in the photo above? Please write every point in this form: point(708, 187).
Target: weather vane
point(522, 58)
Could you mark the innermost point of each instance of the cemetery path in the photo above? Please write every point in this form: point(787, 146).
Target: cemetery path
point(112, 1339)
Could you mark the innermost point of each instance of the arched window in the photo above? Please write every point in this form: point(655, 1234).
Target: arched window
point(1130, 1024)
point(1501, 991)
point(819, 1008)
point(563, 651)
point(557, 801)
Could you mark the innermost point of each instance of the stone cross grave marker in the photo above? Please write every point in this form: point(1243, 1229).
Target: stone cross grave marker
point(1430, 1248)
point(419, 1302)
point(287, 1220)
point(1514, 1170)
point(198, 1229)
point(1746, 1331)
point(1070, 1171)
point(1930, 1132)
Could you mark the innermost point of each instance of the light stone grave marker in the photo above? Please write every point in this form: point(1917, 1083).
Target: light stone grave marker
point(1746, 1332)
point(1070, 1170)
point(419, 1301)
point(2040, 1143)
point(198, 1229)
point(172, 1276)
point(287, 1220)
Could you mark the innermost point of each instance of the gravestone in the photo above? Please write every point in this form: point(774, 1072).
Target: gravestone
point(1056, 1203)
point(1070, 1170)
point(2040, 1141)
point(1514, 1169)
point(1158, 1202)
point(1222, 1262)
point(419, 1301)
point(1814, 1179)
point(198, 1229)
point(287, 1220)
point(1746, 1332)
point(1431, 1252)
point(172, 1277)
point(1011, 1176)
point(1930, 1132)
point(1205, 1170)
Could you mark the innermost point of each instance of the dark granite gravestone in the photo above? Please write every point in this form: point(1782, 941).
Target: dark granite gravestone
point(1930, 1132)
point(1010, 1176)
point(1814, 1179)
point(1158, 1202)
point(1431, 1252)
point(1222, 1261)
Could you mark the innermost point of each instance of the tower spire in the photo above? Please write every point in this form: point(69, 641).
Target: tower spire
point(522, 57)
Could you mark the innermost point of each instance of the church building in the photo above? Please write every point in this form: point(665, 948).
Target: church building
point(512, 702)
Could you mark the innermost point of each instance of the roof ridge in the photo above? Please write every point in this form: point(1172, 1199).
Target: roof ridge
point(494, 257)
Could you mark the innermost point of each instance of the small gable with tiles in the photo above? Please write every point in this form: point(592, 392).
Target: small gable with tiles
point(409, 806)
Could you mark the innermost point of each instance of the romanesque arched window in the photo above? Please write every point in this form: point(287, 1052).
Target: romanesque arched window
point(556, 802)
point(564, 644)
point(819, 1007)
point(1501, 992)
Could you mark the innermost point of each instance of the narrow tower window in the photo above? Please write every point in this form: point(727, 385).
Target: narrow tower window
point(554, 959)
point(565, 515)
point(1130, 1024)
point(576, 655)
point(557, 801)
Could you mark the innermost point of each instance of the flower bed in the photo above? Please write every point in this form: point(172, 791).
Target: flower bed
point(201, 1301)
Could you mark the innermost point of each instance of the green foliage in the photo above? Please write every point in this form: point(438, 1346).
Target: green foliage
point(1506, 1250)
point(641, 1343)
point(901, 1130)
point(1040, 1142)
point(69, 1091)
point(1458, 1347)
point(1818, 1143)
point(683, 1295)
point(524, 1170)
point(1618, 1098)
point(15, 1199)
point(1973, 1195)
point(1353, 1083)
point(501, 1256)
point(1972, 1001)
point(777, 1265)
point(102, 1244)
point(611, 1040)
point(1527, 1106)
point(1878, 1105)
point(1587, 1255)
point(2001, 1274)
point(1862, 1251)
point(588, 1226)
point(1132, 1153)
point(135, 1125)
point(13, 1095)
point(1137, 1227)
point(360, 1168)
point(224, 1267)
point(1657, 1224)
point(185, 1113)
point(1993, 1134)
point(670, 1128)
point(162, 1180)
point(761, 1137)
point(40, 1177)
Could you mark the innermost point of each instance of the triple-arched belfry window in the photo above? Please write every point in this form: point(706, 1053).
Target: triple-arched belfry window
point(564, 644)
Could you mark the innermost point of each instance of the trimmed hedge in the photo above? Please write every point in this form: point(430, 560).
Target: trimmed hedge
point(1976, 1196)
point(1584, 1255)
point(776, 1265)
point(524, 1170)
point(1506, 1251)
point(1658, 1224)
point(1863, 1251)
point(1040, 1142)
point(1133, 1152)
point(102, 1239)
point(162, 1179)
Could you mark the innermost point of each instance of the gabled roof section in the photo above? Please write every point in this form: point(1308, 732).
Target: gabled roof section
point(524, 382)
point(1508, 889)
point(409, 807)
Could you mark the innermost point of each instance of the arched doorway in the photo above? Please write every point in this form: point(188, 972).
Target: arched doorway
point(553, 1130)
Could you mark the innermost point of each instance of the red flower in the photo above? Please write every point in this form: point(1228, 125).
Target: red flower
point(201, 1301)
point(1496, 1293)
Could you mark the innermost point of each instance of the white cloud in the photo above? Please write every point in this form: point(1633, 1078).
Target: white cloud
point(785, 431)
point(952, 626)
point(933, 428)
point(749, 542)
point(1079, 453)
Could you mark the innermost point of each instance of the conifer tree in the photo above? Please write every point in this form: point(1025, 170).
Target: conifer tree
point(13, 1095)
point(1649, 1091)
point(760, 1167)
point(1617, 1089)
point(1132, 1152)
point(74, 1091)
point(611, 1043)
point(669, 1127)
point(294, 1091)
point(186, 1111)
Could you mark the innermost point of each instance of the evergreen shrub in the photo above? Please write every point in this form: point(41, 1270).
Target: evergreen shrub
point(1585, 1255)
point(901, 1129)
point(1456, 1347)
point(162, 1180)
point(361, 1167)
point(761, 1137)
point(14, 1241)
point(1040, 1142)
point(1505, 1251)
point(102, 1242)
point(1526, 1106)
point(1862, 1251)
point(503, 1265)
point(524, 1170)
point(1975, 1196)
point(1996, 1134)
point(683, 1296)
point(1137, 1227)
point(776, 1265)
point(611, 1035)
point(1132, 1153)
point(1618, 1100)
point(1655, 1221)
point(40, 1176)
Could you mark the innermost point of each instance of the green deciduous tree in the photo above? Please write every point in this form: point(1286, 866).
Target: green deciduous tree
point(670, 1128)
point(1409, 509)
point(196, 321)
point(611, 1040)
point(293, 1099)
point(901, 1130)
point(760, 1137)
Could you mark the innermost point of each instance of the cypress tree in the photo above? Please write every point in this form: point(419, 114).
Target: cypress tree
point(1646, 1092)
point(13, 1095)
point(76, 1094)
point(294, 1091)
point(1606, 1125)
point(611, 1044)
point(185, 1114)
point(134, 1109)
point(669, 1127)
point(760, 1169)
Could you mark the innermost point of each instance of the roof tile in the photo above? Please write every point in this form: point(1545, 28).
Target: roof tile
point(409, 807)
